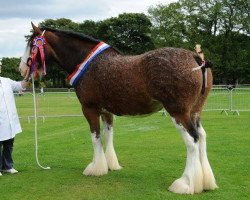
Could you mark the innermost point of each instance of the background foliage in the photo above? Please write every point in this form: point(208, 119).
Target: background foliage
point(222, 27)
point(10, 68)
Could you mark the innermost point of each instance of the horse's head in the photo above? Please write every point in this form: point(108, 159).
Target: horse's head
point(66, 48)
point(36, 52)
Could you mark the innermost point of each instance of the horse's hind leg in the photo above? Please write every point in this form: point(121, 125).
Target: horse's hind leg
point(99, 165)
point(209, 182)
point(192, 178)
point(110, 154)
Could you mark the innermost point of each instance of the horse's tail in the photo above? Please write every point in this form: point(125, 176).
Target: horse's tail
point(204, 65)
point(206, 82)
point(208, 63)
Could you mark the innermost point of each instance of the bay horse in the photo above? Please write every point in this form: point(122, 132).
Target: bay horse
point(133, 85)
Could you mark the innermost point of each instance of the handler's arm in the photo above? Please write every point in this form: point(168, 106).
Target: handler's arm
point(25, 81)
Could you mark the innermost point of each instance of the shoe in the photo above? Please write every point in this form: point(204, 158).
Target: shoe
point(0, 174)
point(11, 171)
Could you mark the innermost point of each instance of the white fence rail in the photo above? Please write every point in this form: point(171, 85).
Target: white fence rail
point(64, 103)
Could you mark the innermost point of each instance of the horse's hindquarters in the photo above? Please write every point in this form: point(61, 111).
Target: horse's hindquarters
point(172, 82)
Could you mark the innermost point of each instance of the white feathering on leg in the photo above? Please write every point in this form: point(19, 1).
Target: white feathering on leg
point(208, 176)
point(192, 179)
point(99, 165)
point(110, 154)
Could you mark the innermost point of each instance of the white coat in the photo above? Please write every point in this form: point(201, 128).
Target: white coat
point(9, 121)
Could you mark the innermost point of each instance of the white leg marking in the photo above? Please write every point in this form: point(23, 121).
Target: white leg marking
point(99, 165)
point(192, 178)
point(209, 182)
point(110, 154)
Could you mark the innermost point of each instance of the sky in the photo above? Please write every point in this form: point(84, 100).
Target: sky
point(16, 16)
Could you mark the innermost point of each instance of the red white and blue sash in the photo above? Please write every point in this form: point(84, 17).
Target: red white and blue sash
point(81, 68)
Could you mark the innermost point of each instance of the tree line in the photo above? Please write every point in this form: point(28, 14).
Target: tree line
point(222, 27)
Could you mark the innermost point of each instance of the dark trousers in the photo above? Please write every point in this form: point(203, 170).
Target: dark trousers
point(6, 147)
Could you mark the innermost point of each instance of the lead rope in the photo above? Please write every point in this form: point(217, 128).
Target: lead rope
point(35, 117)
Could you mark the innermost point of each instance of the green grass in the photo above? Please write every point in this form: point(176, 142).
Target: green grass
point(150, 150)
point(50, 104)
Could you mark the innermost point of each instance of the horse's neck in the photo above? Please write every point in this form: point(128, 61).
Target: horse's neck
point(70, 53)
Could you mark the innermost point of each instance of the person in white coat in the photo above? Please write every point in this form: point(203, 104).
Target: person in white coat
point(9, 121)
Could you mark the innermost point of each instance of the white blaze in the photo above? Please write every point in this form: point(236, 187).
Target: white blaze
point(23, 64)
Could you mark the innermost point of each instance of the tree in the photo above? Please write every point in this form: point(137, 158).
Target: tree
point(10, 68)
point(168, 25)
point(129, 32)
point(61, 23)
point(221, 26)
point(89, 27)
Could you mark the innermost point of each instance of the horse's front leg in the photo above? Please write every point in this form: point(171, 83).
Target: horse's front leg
point(99, 165)
point(110, 154)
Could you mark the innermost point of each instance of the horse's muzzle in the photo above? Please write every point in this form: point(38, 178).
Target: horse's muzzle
point(23, 68)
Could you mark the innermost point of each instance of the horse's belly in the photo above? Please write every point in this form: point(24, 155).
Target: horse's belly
point(133, 107)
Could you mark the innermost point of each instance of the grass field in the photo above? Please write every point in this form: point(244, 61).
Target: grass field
point(150, 150)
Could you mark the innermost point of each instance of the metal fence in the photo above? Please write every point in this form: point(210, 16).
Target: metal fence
point(218, 99)
point(227, 99)
point(64, 103)
point(240, 100)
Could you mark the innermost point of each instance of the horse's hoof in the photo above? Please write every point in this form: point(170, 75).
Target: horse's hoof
point(209, 182)
point(183, 186)
point(210, 185)
point(93, 170)
point(112, 160)
point(180, 186)
point(113, 163)
point(115, 167)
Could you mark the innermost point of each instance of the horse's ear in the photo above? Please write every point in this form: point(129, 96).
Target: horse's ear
point(36, 29)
